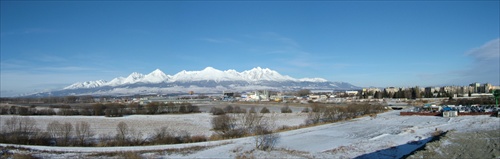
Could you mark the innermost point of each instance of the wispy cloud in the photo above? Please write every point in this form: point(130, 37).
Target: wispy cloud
point(275, 37)
point(488, 51)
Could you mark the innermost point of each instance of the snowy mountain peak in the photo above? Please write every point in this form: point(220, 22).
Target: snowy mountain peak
point(135, 75)
point(259, 74)
point(210, 69)
point(157, 76)
point(157, 71)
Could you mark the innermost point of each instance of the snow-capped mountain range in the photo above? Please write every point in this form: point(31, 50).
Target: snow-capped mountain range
point(208, 80)
point(208, 74)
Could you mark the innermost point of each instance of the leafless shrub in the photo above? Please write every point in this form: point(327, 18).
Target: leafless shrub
point(313, 118)
point(305, 110)
point(228, 109)
point(252, 110)
point(244, 155)
point(249, 121)
point(226, 127)
point(286, 109)
point(163, 136)
point(217, 111)
point(222, 123)
point(265, 139)
point(264, 110)
point(198, 138)
point(183, 136)
point(237, 109)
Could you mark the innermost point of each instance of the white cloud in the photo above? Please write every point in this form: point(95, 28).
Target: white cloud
point(489, 51)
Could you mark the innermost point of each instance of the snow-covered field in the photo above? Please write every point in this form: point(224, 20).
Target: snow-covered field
point(387, 136)
point(195, 124)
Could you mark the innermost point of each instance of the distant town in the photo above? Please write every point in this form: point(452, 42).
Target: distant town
point(388, 96)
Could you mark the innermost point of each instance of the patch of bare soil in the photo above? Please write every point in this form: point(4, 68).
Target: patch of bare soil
point(477, 144)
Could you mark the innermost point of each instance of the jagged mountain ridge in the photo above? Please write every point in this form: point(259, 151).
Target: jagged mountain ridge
point(208, 80)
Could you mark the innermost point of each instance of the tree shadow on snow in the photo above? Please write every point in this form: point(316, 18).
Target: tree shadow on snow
point(401, 151)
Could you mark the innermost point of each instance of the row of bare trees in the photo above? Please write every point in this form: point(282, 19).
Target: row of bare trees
point(24, 130)
point(255, 124)
point(327, 114)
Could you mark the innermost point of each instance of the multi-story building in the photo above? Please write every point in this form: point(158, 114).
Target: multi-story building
point(486, 88)
point(475, 87)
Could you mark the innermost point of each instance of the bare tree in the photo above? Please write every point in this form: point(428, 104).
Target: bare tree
point(265, 139)
point(53, 129)
point(60, 132)
point(249, 121)
point(122, 131)
point(67, 131)
point(83, 132)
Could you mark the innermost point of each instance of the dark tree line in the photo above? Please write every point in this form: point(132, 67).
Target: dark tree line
point(108, 110)
point(56, 99)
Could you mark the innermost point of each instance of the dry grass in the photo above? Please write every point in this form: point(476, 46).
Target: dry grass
point(131, 155)
point(137, 154)
point(23, 156)
point(299, 154)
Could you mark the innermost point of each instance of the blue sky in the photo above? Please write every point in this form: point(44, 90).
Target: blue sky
point(49, 45)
